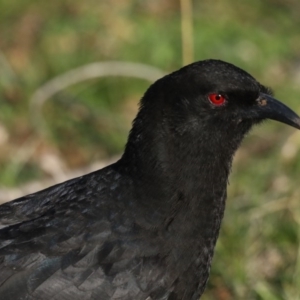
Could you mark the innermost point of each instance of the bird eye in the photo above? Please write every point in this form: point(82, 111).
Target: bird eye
point(216, 99)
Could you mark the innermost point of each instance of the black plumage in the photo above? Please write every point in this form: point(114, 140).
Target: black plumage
point(144, 227)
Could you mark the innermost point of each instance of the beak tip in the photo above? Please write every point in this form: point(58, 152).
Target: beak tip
point(296, 121)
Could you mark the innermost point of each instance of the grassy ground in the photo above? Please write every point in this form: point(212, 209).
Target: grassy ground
point(257, 255)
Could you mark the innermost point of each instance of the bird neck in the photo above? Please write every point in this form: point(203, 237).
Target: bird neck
point(168, 161)
point(178, 158)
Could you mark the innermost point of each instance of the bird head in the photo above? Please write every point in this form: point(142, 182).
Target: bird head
point(207, 105)
point(221, 94)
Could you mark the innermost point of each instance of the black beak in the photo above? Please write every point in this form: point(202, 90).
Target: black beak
point(270, 108)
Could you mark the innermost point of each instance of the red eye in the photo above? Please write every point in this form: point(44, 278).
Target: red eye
point(216, 99)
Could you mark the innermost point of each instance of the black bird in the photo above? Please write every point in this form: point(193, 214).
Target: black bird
point(145, 227)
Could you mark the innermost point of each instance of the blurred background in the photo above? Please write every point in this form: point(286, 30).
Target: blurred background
point(71, 76)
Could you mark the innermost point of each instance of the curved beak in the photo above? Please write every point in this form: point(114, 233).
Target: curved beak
point(270, 108)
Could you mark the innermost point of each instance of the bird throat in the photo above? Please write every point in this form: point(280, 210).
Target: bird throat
point(181, 168)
